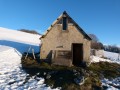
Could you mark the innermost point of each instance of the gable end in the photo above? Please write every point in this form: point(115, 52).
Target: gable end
point(70, 20)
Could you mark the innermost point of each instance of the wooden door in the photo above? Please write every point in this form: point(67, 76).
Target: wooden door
point(77, 54)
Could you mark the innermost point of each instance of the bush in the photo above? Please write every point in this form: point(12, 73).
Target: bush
point(29, 31)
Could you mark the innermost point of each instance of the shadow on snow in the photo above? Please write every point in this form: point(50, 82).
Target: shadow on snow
point(21, 47)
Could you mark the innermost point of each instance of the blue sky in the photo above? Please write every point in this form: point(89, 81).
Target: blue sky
point(100, 17)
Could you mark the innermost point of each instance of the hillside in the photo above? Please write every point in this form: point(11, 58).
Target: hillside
point(102, 71)
point(112, 56)
point(108, 57)
point(18, 36)
point(12, 76)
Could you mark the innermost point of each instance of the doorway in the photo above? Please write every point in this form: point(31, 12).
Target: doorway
point(77, 50)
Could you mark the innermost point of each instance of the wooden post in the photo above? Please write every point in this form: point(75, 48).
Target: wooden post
point(119, 56)
point(27, 52)
point(33, 53)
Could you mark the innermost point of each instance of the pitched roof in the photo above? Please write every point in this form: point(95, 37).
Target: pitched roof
point(65, 13)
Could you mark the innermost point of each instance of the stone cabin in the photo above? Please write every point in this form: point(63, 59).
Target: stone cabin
point(65, 43)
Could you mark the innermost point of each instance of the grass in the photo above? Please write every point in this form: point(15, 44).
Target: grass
point(108, 70)
point(64, 76)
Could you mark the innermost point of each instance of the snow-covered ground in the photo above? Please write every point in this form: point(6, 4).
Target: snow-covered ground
point(110, 57)
point(95, 59)
point(113, 84)
point(21, 47)
point(19, 40)
point(9, 57)
point(18, 36)
point(12, 44)
point(12, 77)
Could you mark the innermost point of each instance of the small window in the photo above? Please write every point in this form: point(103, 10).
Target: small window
point(64, 23)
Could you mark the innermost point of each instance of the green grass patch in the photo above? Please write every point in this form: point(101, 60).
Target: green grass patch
point(109, 70)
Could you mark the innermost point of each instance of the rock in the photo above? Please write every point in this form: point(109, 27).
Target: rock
point(23, 75)
point(20, 72)
point(74, 71)
point(44, 73)
point(14, 87)
point(30, 88)
point(33, 83)
point(91, 72)
point(38, 73)
point(20, 88)
point(1, 81)
point(27, 74)
point(6, 88)
point(77, 73)
point(33, 77)
point(26, 85)
point(79, 80)
point(11, 81)
point(87, 74)
point(21, 83)
point(41, 81)
point(48, 76)
point(38, 78)
point(83, 71)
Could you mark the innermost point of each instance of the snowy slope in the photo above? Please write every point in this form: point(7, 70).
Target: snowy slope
point(12, 77)
point(112, 56)
point(18, 36)
point(110, 84)
point(21, 47)
point(95, 59)
point(8, 57)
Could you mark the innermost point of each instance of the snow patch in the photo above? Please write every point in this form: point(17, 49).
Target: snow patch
point(12, 77)
point(95, 59)
point(113, 84)
point(8, 58)
point(110, 57)
point(18, 36)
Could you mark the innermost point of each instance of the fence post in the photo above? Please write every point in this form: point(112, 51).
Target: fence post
point(27, 52)
point(33, 53)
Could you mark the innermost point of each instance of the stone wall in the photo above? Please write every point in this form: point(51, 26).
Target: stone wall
point(57, 39)
point(99, 53)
